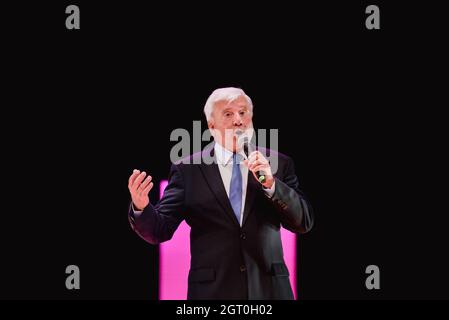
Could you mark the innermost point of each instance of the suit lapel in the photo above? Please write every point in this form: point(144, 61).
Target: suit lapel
point(213, 178)
point(252, 189)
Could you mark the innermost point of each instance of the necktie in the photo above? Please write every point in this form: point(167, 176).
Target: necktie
point(235, 193)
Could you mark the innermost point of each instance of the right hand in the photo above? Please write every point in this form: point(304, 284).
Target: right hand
point(139, 189)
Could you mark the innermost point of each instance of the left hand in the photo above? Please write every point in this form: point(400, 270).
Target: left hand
point(257, 162)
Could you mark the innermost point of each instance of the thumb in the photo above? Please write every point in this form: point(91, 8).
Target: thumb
point(245, 162)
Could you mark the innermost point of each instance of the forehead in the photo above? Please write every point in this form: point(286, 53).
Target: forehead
point(239, 102)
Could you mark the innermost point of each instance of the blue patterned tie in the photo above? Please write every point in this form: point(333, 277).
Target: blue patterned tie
point(235, 193)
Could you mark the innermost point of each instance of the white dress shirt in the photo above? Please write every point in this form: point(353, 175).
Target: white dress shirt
point(225, 162)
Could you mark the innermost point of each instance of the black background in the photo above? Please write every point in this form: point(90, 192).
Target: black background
point(358, 110)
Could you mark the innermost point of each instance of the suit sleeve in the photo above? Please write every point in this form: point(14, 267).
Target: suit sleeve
point(158, 223)
point(295, 211)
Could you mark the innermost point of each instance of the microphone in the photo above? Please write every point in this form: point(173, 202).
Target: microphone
point(245, 144)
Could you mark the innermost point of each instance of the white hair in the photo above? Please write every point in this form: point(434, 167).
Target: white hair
point(224, 94)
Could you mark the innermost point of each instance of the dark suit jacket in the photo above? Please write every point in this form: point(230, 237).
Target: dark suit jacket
point(229, 261)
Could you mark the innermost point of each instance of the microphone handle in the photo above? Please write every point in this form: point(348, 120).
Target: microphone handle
point(260, 175)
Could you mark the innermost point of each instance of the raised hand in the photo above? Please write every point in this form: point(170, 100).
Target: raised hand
point(139, 187)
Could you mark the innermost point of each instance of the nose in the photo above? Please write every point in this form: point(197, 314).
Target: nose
point(237, 121)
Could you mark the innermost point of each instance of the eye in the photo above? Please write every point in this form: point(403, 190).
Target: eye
point(242, 113)
point(228, 114)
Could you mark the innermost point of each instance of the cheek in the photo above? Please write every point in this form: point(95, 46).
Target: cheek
point(225, 123)
point(247, 120)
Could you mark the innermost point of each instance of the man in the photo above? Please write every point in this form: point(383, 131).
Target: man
point(235, 220)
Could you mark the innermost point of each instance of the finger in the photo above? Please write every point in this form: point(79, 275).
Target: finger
point(260, 156)
point(133, 177)
point(260, 160)
point(261, 167)
point(144, 184)
point(252, 156)
point(251, 164)
point(258, 163)
point(255, 155)
point(138, 180)
point(251, 159)
point(245, 162)
point(147, 189)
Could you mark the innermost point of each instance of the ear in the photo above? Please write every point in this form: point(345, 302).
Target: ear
point(210, 124)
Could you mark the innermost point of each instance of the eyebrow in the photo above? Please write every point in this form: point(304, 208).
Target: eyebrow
point(240, 108)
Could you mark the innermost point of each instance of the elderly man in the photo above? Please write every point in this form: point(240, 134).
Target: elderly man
point(235, 218)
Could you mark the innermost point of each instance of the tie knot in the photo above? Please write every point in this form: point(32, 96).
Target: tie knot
point(237, 158)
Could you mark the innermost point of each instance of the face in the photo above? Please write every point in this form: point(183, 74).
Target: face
point(227, 117)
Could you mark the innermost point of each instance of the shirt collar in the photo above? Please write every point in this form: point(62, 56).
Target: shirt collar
point(224, 156)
